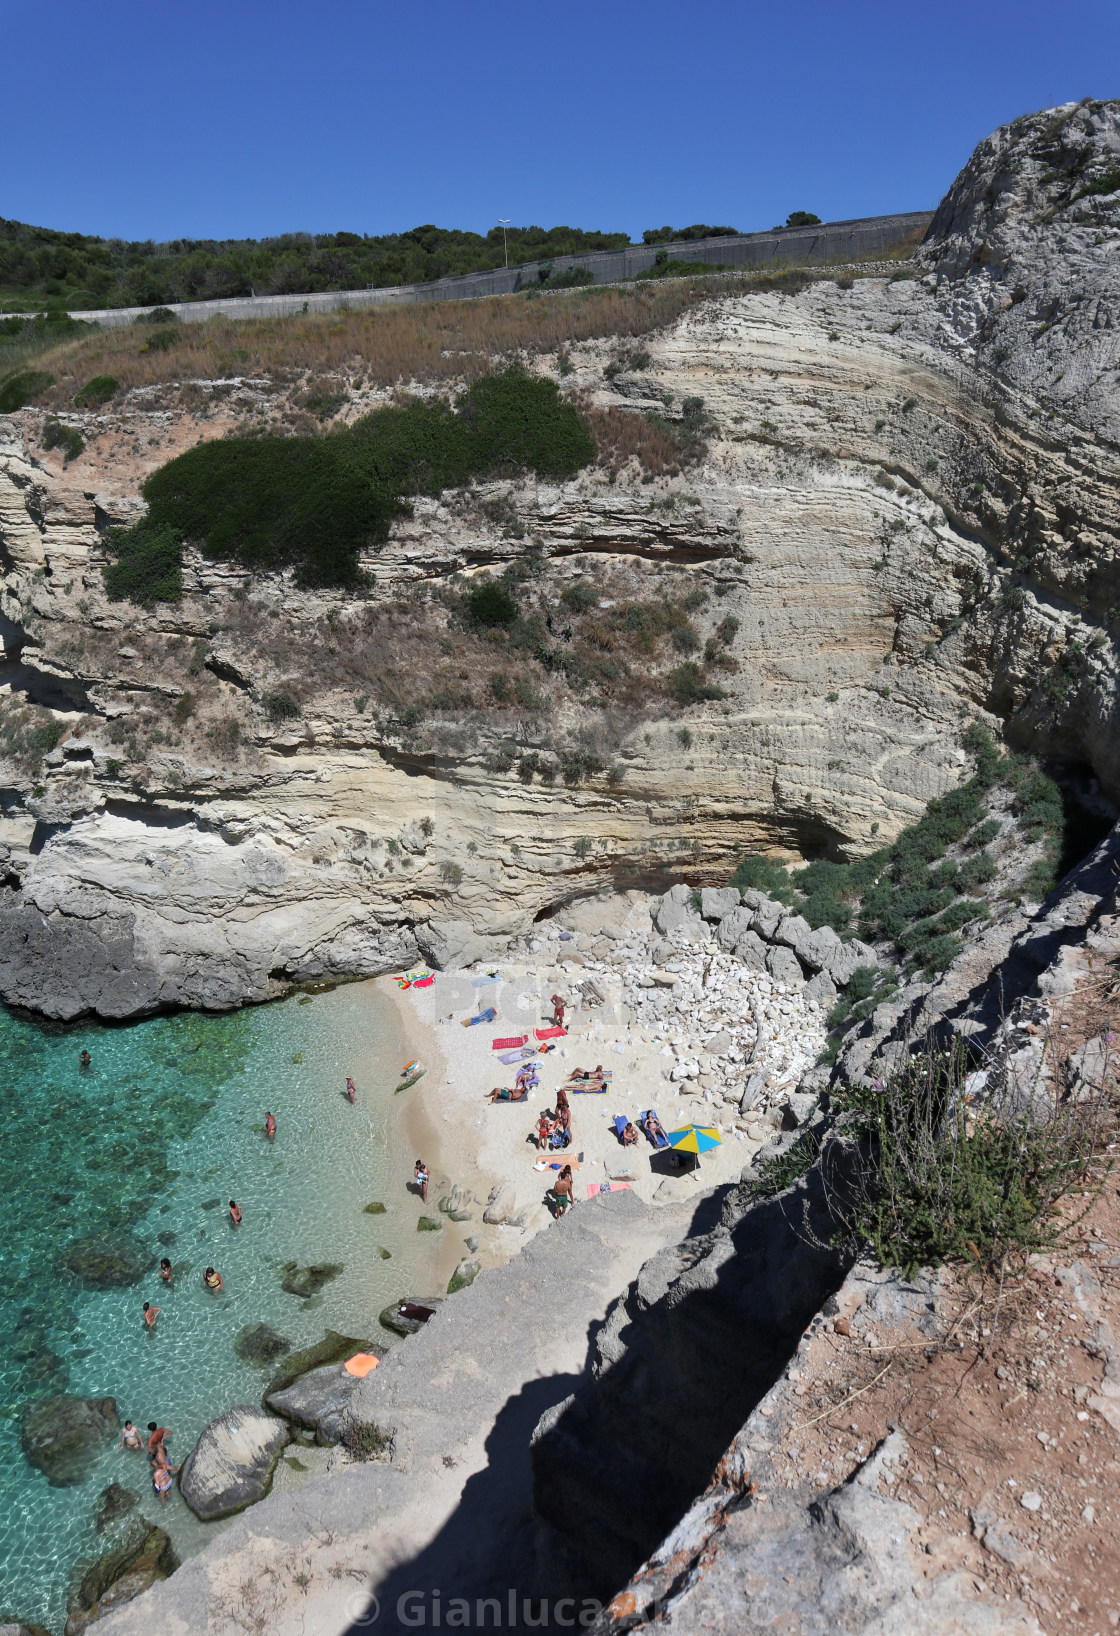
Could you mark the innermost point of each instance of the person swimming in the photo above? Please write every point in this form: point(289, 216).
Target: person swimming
point(269, 1126)
point(213, 1280)
point(234, 1214)
point(165, 1272)
point(151, 1313)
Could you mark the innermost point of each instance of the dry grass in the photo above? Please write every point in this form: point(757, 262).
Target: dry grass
point(621, 436)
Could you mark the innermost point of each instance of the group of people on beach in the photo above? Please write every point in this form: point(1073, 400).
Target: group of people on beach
point(554, 1128)
point(162, 1469)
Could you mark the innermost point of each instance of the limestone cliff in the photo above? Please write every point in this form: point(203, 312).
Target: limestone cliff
point(901, 515)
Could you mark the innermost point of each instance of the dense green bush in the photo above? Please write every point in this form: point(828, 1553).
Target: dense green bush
point(490, 603)
point(22, 388)
point(97, 391)
point(58, 436)
point(314, 502)
point(688, 686)
point(580, 597)
point(281, 707)
point(149, 565)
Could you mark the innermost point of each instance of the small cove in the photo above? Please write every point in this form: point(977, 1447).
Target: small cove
point(154, 1140)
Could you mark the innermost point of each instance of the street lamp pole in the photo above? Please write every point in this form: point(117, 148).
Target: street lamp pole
point(503, 223)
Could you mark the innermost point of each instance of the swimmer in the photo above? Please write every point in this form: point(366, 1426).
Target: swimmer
point(350, 1088)
point(165, 1272)
point(130, 1437)
point(151, 1313)
point(421, 1176)
point(157, 1435)
point(269, 1126)
point(234, 1214)
point(213, 1281)
point(162, 1481)
point(84, 1059)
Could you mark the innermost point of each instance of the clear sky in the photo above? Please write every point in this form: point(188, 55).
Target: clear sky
point(245, 118)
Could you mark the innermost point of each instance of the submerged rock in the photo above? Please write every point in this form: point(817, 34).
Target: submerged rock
point(465, 1273)
point(232, 1463)
point(308, 1281)
point(113, 1503)
point(375, 1209)
point(333, 1348)
point(63, 1436)
point(259, 1343)
point(108, 1263)
point(429, 1224)
point(136, 1559)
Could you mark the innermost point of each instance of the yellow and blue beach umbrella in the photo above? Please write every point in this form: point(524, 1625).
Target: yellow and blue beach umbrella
point(694, 1139)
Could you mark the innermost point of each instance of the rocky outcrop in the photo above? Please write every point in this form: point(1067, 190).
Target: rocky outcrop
point(108, 1263)
point(319, 1402)
point(63, 1436)
point(232, 1463)
point(333, 1348)
point(139, 1557)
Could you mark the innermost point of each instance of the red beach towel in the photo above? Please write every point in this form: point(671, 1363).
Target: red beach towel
point(595, 1188)
point(509, 1045)
point(548, 1033)
point(423, 982)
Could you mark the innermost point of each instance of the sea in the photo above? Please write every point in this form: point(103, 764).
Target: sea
point(151, 1141)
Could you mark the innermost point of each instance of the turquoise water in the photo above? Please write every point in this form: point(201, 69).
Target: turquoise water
point(155, 1139)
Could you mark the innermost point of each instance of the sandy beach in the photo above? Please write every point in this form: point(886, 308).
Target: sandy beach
point(479, 1146)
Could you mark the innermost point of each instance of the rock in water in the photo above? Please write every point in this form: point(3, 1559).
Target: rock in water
point(113, 1503)
point(232, 1463)
point(307, 1281)
point(333, 1348)
point(429, 1224)
point(406, 1316)
point(375, 1209)
point(259, 1343)
point(465, 1273)
point(62, 1436)
point(108, 1263)
point(141, 1555)
point(318, 1401)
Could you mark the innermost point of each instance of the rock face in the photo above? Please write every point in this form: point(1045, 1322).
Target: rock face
point(63, 1436)
point(232, 1463)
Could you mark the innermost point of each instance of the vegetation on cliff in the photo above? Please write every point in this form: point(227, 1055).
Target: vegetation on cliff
point(315, 502)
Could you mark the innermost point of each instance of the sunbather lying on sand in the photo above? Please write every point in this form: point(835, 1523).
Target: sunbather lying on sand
point(502, 1093)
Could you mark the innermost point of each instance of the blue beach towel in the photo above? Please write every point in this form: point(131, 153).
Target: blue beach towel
point(620, 1124)
point(484, 1016)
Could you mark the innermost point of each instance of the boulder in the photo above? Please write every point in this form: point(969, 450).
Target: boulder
point(308, 1281)
point(751, 950)
point(676, 911)
point(232, 1463)
point(733, 925)
point(318, 1401)
point(465, 1273)
point(63, 1436)
point(18, 1627)
point(791, 929)
point(449, 944)
point(717, 901)
point(817, 948)
point(376, 1208)
point(455, 1203)
point(333, 1348)
point(767, 916)
point(501, 1205)
point(139, 1556)
point(718, 1044)
point(429, 1224)
point(113, 1503)
point(821, 988)
point(407, 1315)
point(798, 1108)
point(783, 965)
point(847, 959)
point(259, 1343)
point(108, 1263)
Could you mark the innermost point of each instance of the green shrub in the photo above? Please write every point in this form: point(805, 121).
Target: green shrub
point(58, 436)
point(160, 340)
point(785, 1168)
point(158, 315)
point(315, 502)
point(568, 278)
point(22, 388)
point(688, 686)
point(580, 597)
point(97, 391)
point(684, 638)
point(983, 833)
point(149, 565)
point(490, 604)
point(281, 707)
point(765, 875)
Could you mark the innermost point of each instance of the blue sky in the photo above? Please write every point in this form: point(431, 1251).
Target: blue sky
point(243, 119)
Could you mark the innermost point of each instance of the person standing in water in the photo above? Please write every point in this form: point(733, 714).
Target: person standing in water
point(157, 1436)
point(234, 1214)
point(350, 1089)
point(130, 1437)
point(422, 1175)
point(269, 1126)
point(84, 1059)
point(151, 1313)
point(165, 1272)
point(213, 1281)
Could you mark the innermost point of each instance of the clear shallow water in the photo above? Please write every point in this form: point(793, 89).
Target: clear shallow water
point(169, 1119)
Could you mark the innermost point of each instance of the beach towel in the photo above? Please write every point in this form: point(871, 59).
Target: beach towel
point(591, 1087)
point(423, 982)
point(577, 1079)
point(506, 1095)
point(595, 1188)
point(481, 982)
point(361, 1364)
point(549, 1033)
point(419, 978)
point(484, 1016)
point(509, 1044)
point(510, 1057)
point(662, 1140)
